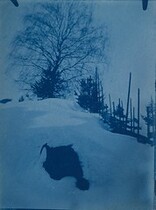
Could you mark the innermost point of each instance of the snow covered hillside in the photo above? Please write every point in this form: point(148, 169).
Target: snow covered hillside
point(119, 170)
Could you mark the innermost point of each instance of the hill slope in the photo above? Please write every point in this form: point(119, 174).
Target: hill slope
point(118, 168)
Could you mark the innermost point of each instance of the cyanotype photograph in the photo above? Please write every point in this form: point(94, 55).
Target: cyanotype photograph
point(77, 104)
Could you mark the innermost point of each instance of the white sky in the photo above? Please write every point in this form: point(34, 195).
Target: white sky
point(132, 47)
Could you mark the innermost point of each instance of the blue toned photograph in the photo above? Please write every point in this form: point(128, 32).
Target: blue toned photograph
point(77, 104)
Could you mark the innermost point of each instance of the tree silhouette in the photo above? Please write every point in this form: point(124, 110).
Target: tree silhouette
point(150, 119)
point(91, 95)
point(56, 47)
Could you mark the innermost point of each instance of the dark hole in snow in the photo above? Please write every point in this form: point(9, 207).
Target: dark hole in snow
point(63, 161)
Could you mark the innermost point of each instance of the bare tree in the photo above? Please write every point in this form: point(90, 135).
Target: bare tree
point(58, 44)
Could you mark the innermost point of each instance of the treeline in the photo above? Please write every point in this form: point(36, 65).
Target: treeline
point(91, 96)
point(123, 120)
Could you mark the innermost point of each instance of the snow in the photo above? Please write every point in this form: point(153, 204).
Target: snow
point(119, 169)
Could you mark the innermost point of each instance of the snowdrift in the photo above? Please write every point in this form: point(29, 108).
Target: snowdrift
point(119, 169)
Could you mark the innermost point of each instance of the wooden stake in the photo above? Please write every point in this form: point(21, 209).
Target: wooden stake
point(119, 108)
point(128, 97)
point(131, 117)
point(113, 108)
point(138, 129)
point(148, 125)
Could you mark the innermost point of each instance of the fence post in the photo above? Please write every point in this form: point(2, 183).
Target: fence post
point(131, 115)
point(110, 105)
point(133, 119)
point(128, 97)
point(138, 127)
point(148, 124)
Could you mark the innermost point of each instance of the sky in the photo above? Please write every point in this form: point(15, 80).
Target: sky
point(132, 45)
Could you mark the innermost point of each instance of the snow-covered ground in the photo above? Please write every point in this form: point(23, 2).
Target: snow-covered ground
point(119, 169)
